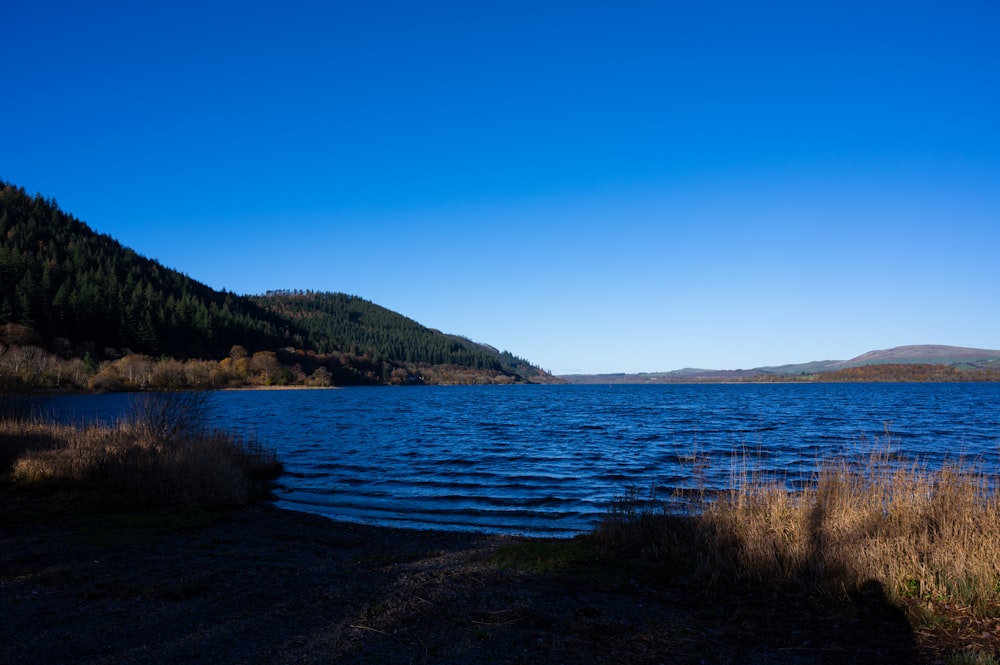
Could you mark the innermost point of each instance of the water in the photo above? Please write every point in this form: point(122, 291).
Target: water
point(549, 459)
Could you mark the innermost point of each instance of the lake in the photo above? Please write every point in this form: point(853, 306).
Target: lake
point(548, 460)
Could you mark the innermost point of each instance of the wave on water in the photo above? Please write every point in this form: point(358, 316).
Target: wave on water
point(550, 460)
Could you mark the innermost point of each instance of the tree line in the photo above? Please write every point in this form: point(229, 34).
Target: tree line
point(30, 368)
point(910, 372)
point(73, 293)
point(339, 322)
point(82, 292)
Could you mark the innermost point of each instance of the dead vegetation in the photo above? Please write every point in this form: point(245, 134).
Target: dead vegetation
point(870, 530)
point(158, 456)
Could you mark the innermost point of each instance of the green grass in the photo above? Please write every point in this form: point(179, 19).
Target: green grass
point(547, 556)
point(583, 559)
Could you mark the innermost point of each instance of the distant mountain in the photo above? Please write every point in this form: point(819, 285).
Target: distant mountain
point(814, 367)
point(928, 355)
point(686, 375)
point(73, 292)
point(932, 354)
point(923, 354)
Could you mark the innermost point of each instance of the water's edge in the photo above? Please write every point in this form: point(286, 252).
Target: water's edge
point(549, 460)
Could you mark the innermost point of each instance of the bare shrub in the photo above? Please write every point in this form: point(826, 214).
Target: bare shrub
point(165, 414)
point(200, 469)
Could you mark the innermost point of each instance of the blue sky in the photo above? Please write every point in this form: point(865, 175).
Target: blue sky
point(596, 187)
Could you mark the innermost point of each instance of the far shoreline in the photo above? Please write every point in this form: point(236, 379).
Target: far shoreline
point(241, 388)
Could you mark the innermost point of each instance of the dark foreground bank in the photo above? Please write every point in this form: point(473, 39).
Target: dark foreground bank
point(147, 541)
point(264, 585)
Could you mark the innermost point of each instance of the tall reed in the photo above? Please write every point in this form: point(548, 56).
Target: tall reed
point(157, 456)
point(919, 532)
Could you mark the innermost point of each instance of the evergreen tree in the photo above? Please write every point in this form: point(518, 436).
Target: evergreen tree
point(63, 281)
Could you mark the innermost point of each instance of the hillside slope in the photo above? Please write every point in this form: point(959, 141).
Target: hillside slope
point(928, 354)
point(74, 292)
point(340, 323)
point(78, 291)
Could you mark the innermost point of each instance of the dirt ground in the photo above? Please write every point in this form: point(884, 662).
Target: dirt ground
point(265, 585)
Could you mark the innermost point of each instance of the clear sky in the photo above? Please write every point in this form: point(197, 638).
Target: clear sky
point(593, 186)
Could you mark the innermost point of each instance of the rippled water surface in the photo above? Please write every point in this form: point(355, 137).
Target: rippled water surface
point(549, 459)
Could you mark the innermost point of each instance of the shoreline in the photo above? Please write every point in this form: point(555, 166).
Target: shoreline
point(56, 392)
point(269, 584)
point(240, 388)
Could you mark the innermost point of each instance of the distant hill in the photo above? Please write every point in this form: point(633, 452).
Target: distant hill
point(930, 362)
point(925, 354)
point(73, 292)
point(686, 375)
point(933, 354)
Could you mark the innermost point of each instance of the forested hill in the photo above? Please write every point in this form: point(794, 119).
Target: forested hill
point(76, 293)
point(79, 291)
point(335, 322)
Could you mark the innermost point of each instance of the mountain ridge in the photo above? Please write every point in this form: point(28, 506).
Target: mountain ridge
point(933, 354)
point(955, 357)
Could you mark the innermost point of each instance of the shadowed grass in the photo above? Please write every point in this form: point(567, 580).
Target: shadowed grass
point(972, 657)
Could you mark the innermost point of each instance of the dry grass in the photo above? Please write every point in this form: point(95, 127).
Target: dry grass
point(915, 533)
point(158, 456)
